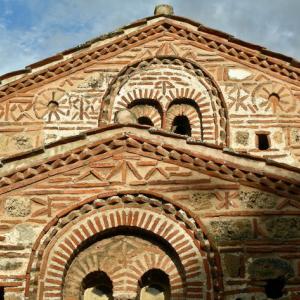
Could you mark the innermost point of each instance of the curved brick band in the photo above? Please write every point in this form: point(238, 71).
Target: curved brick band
point(214, 106)
point(79, 229)
point(148, 111)
point(125, 268)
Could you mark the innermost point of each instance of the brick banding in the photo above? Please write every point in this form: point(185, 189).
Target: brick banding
point(208, 165)
point(136, 212)
point(218, 104)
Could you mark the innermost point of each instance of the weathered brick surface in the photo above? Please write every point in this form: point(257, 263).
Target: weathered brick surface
point(213, 212)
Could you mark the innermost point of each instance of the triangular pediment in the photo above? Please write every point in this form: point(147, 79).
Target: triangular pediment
point(153, 28)
point(132, 155)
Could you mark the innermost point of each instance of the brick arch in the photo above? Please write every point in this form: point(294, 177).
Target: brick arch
point(62, 237)
point(147, 111)
point(185, 110)
point(212, 103)
point(138, 94)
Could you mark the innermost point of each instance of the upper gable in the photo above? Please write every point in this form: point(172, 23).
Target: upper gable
point(239, 90)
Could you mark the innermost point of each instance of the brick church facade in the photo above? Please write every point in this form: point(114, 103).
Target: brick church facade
point(161, 161)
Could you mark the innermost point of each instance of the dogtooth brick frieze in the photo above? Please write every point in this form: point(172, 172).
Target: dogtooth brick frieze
point(157, 162)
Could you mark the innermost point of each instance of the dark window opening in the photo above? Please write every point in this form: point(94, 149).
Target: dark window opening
point(263, 141)
point(274, 288)
point(97, 284)
point(181, 125)
point(153, 283)
point(145, 121)
point(1, 293)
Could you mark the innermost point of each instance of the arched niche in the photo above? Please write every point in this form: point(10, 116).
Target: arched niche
point(184, 117)
point(96, 286)
point(154, 285)
point(165, 79)
point(147, 112)
point(166, 226)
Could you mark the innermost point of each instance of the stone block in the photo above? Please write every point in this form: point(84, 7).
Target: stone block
point(295, 136)
point(202, 200)
point(13, 296)
point(257, 199)
point(269, 268)
point(22, 142)
point(9, 264)
point(125, 117)
point(278, 137)
point(238, 74)
point(17, 206)
point(22, 234)
point(228, 230)
point(232, 264)
point(242, 138)
point(283, 227)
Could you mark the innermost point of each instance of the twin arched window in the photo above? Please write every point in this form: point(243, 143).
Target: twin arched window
point(153, 285)
point(181, 116)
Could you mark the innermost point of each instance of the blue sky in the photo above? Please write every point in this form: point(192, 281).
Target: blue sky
point(31, 30)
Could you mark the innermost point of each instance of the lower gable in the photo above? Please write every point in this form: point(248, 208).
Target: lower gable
point(243, 223)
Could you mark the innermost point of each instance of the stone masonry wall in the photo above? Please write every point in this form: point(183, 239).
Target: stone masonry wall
point(224, 225)
point(246, 236)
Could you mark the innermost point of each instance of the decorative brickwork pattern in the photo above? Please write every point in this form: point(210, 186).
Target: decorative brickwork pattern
point(137, 145)
point(208, 97)
point(57, 245)
point(225, 47)
point(205, 189)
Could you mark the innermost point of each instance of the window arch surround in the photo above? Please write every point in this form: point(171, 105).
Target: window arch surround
point(179, 109)
point(88, 213)
point(147, 108)
point(216, 100)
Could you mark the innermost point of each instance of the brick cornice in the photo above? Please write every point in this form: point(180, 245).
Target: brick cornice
point(225, 45)
point(249, 171)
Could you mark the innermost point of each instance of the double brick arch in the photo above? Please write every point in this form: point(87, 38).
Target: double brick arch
point(166, 79)
point(173, 242)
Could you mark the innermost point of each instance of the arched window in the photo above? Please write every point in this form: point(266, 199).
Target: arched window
point(154, 285)
point(97, 286)
point(183, 117)
point(147, 111)
point(181, 125)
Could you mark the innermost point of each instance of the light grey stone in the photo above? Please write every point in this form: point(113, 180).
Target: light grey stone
point(22, 234)
point(17, 206)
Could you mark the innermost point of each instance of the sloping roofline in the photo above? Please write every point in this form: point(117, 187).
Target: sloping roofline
point(262, 52)
point(216, 161)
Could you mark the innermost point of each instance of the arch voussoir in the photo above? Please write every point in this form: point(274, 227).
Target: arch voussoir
point(104, 219)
